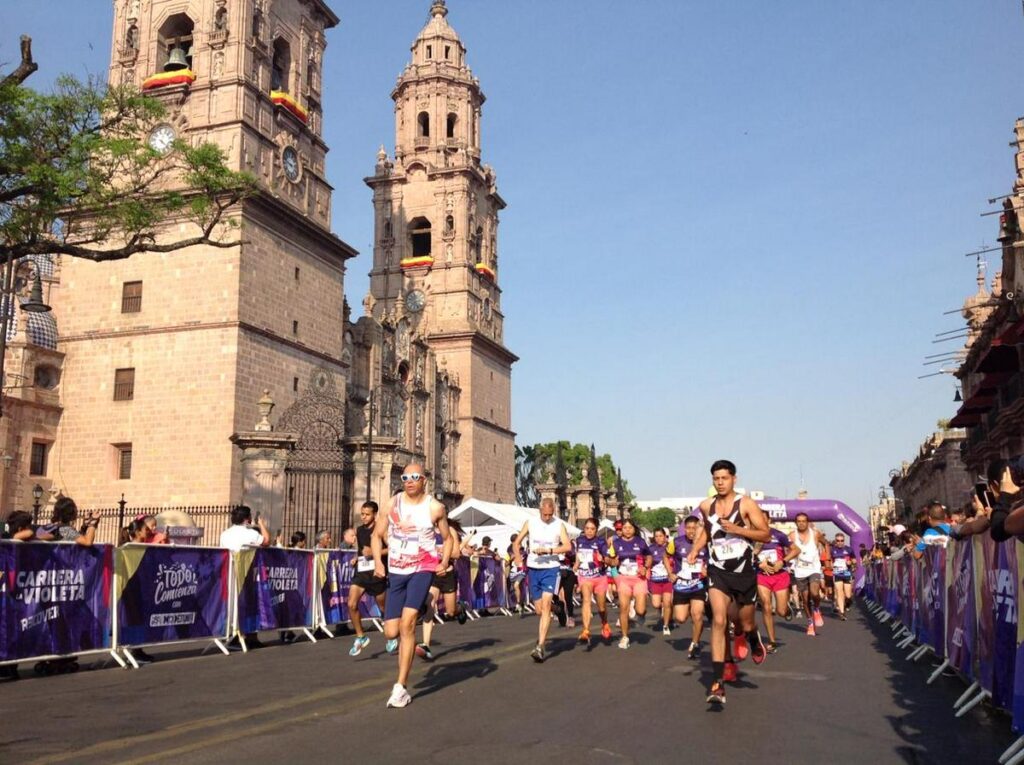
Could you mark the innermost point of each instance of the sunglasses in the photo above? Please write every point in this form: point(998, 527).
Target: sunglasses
point(411, 477)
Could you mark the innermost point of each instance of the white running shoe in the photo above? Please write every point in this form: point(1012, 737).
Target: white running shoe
point(624, 643)
point(399, 697)
point(666, 631)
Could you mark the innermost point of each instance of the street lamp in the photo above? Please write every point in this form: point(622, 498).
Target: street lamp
point(37, 494)
point(369, 442)
point(34, 304)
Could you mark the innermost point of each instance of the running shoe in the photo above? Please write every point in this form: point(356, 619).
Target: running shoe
point(391, 646)
point(716, 693)
point(424, 652)
point(789, 614)
point(606, 631)
point(818, 620)
point(624, 642)
point(460, 613)
point(358, 645)
point(758, 653)
point(730, 672)
point(842, 616)
point(666, 631)
point(740, 649)
point(772, 647)
point(570, 623)
point(537, 654)
point(694, 650)
point(399, 697)
point(584, 637)
point(810, 629)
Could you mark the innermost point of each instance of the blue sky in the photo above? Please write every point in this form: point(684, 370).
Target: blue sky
point(732, 229)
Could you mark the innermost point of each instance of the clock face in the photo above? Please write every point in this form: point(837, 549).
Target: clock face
point(290, 161)
point(161, 138)
point(415, 301)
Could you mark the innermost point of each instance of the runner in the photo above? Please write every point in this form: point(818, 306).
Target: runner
point(662, 552)
point(807, 570)
point(826, 572)
point(364, 580)
point(443, 584)
point(689, 584)
point(516, 574)
point(548, 539)
point(731, 525)
point(773, 581)
point(633, 557)
point(613, 569)
point(591, 553)
point(408, 529)
point(843, 565)
point(567, 583)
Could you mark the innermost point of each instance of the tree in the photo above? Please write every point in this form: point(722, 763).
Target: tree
point(526, 477)
point(659, 518)
point(78, 178)
point(576, 458)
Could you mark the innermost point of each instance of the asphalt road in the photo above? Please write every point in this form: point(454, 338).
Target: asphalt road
point(841, 697)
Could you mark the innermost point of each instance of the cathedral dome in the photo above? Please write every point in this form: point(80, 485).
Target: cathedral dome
point(41, 328)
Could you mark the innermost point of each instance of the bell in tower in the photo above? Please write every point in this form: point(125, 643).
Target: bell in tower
point(176, 61)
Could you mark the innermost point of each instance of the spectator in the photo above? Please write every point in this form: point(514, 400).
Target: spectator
point(135, 532)
point(348, 539)
point(485, 551)
point(976, 521)
point(241, 533)
point(1007, 519)
point(937, 531)
point(153, 536)
point(65, 512)
point(298, 542)
point(324, 540)
point(19, 527)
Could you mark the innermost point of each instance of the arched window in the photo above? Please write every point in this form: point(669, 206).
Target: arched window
point(449, 224)
point(453, 120)
point(280, 72)
point(131, 39)
point(478, 242)
point(175, 32)
point(257, 24)
point(419, 231)
point(423, 121)
point(220, 20)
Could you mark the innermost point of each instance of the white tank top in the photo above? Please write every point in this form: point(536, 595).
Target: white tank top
point(808, 562)
point(411, 544)
point(546, 535)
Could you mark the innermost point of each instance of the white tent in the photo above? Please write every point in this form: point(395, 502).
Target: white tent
point(497, 521)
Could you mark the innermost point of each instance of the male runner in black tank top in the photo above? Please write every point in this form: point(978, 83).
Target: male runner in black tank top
point(731, 523)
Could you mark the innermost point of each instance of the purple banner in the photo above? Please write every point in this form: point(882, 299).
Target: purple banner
point(55, 599)
point(275, 589)
point(488, 584)
point(170, 593)
point(961, 614)
point(984, 561)
point(464, 579)
point(1017, 708)
point(932, 599)
point(1003, 583)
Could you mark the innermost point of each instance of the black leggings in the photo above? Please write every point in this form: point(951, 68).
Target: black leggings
point(567, 583)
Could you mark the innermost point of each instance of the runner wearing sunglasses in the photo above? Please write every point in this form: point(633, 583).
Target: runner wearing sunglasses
point(844, 563)
point(409, 528)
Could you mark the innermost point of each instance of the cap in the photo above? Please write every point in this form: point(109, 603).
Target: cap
point(899, 528)
point(618, 524)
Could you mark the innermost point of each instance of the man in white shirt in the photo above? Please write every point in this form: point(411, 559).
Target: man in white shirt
point(240, 534)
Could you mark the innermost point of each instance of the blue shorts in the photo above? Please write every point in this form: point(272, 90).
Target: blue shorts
point(543, 580)
point(406, 591)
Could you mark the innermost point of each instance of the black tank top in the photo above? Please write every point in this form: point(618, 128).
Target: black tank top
point(721, 542)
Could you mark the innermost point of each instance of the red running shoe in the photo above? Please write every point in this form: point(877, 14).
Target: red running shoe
point(730, 672)
point(758, 651)
point(740, 649)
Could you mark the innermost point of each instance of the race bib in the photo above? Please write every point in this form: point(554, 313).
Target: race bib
point(407, 548)
point(659, 572)
point(839, 565)
point(365, 565)
point(585, 557)
point(687, 571)
point(769, 556)
point(628, 567)
point(729, 549)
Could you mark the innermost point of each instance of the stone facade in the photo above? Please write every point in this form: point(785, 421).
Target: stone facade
point(937, 473)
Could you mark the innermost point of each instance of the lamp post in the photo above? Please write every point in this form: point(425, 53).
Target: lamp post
point(34, 304)
point(369, 443)
point(37, 494)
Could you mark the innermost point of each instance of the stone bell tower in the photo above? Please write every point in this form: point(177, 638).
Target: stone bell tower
point(435, 256)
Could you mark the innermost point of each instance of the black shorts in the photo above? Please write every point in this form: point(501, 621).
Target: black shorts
point(684, 598)
point(830, 580)
point(446, 582)
point(374, 586)
point(741, 586)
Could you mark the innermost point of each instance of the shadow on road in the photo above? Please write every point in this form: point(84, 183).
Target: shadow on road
point(441, 676)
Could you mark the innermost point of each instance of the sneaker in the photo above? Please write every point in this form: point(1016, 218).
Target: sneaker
point(606, 631)
point(632, 610)
point(758, 653)
point(666, 631)
point(424, 652)
point(570, 623)
point(716, 693)
point(624, 642)
point(740, 649)
point(584, 637)
point(358, 645)
point(694, 650)
point(799, 613)
point(391, 646)
point(460, 613)
point(730, 673)
point(810, 629)
point(842, 616)
point(537, 654)
point(772, 647)
point(818, 621)
point(789, 615)
point(399, 697)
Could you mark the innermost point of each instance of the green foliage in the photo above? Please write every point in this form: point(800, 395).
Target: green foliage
point(576, 458)
point(660, 518)
point(78, 178)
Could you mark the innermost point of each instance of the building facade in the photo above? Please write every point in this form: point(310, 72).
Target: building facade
point(936, 473)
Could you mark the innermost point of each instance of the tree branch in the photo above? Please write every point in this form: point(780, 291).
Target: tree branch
point(25, 68)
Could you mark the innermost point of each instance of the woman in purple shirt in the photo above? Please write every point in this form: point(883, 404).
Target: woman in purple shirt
point(659, 584)
point(591, 552)
point(633, 558)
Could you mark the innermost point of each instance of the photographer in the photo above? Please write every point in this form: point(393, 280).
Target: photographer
point(1007, 519)
point(65, 512)
point(240, 534)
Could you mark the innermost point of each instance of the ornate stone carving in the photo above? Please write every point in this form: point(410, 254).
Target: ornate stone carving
point(318, 419)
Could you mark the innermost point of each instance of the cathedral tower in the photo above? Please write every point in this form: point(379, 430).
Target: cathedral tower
point(435, 256)
point(167, 354)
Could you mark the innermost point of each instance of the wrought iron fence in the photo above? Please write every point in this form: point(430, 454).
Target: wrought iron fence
point(213, 519)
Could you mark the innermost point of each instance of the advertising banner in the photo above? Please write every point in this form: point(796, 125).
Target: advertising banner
point(55, 599)
point(1003, 577)
point(170, 594)
point(984, 601)
point(275, 588)
point(961, 612)
point(488, 583)
point(932, 599)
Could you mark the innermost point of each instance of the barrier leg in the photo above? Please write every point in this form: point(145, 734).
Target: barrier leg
point(114, 655)
point(973, 703)
point(918, 652)
point(1015, 748)
point(967, 694)
point(309, 634)
point(1016, 759)
point(376, 623)
point(131, 659)
point(941, 668)
point(905, 641)
point(885, 617)
point(241, 642)
point(221, 645)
